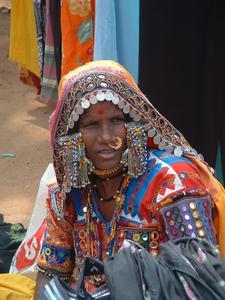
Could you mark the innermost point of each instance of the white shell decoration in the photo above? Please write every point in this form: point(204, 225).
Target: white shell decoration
point(156, 139)
point(178, 151)
point(115, 99)
point(85, 103)
point(108, 96)
point(151, 132)
point(100, 96)
point(93, 99)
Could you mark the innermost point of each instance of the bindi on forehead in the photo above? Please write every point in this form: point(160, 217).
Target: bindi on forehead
point(101, 111)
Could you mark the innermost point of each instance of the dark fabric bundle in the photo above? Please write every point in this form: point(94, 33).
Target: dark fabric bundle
point(11, 236)
point(184, 269)
point(55, 16)
point(58, 289)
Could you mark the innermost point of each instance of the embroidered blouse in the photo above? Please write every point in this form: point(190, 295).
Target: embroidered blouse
point(168, 202)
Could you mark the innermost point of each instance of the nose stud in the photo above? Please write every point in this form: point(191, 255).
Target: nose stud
point(118, 143)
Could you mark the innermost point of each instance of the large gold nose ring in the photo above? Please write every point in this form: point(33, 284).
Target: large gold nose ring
point(118, 143)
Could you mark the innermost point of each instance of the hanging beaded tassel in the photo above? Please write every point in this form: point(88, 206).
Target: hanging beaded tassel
point(76, 165)
point(135, 156)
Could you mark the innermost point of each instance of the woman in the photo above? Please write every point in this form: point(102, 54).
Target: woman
point(123, 172)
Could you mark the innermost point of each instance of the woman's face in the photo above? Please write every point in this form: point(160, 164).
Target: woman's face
point(99, 126)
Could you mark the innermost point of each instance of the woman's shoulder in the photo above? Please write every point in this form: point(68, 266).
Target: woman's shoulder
point(159, 160)
point(161, 156)
point(165, 170)
point(168, 174)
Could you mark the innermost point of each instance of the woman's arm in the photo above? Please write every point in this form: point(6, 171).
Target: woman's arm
point(179, 200)
point(188, 213)
point(57, 253)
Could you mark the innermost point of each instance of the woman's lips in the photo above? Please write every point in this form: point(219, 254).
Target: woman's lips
point(107, 153)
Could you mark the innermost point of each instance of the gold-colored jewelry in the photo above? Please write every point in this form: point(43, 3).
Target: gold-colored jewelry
point(118, 143)
point(112, 244)
point(107, 172)
point(114, 197)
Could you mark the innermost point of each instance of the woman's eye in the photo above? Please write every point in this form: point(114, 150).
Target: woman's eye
point(92, 125)
point(118, 120)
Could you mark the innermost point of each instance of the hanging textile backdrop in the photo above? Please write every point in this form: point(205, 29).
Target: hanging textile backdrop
point(182, 68)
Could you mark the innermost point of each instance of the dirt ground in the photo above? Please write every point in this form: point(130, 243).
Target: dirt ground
point(24, 131)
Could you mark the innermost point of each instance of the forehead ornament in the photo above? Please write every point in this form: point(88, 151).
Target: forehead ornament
point(101, 111)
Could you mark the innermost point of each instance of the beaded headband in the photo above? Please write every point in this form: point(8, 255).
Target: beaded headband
point(100, 96)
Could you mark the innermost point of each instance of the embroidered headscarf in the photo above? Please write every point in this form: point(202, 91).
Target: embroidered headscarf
point(108, 80)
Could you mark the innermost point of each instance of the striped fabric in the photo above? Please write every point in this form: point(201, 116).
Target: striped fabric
point(49, 91)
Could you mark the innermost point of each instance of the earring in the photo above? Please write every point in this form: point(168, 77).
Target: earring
point(76, 165)
point(135, 156)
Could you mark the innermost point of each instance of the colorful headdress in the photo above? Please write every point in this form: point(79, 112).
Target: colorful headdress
point(108, 80)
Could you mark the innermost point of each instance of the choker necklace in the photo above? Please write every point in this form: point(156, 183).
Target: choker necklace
point(107, 172)
point(111, 177)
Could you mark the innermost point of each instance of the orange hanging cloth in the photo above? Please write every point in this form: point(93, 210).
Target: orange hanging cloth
point(77, 25)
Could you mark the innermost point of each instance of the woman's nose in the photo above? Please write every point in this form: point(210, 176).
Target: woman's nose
point(105, 133)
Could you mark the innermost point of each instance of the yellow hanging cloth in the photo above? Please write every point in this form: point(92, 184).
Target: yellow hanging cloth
point(16, 287)
point(23, 37)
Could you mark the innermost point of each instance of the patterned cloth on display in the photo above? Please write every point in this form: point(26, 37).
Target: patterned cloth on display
point(29, 78)
point(16, 287)
point(172, 199)
point(40, 19)
point(49, 83)
point(23, 36)
point(77, 18)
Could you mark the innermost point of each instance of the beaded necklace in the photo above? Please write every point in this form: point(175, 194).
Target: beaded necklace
point(112, 225)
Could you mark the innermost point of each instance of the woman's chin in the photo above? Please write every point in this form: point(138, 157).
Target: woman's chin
point(106, 165)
